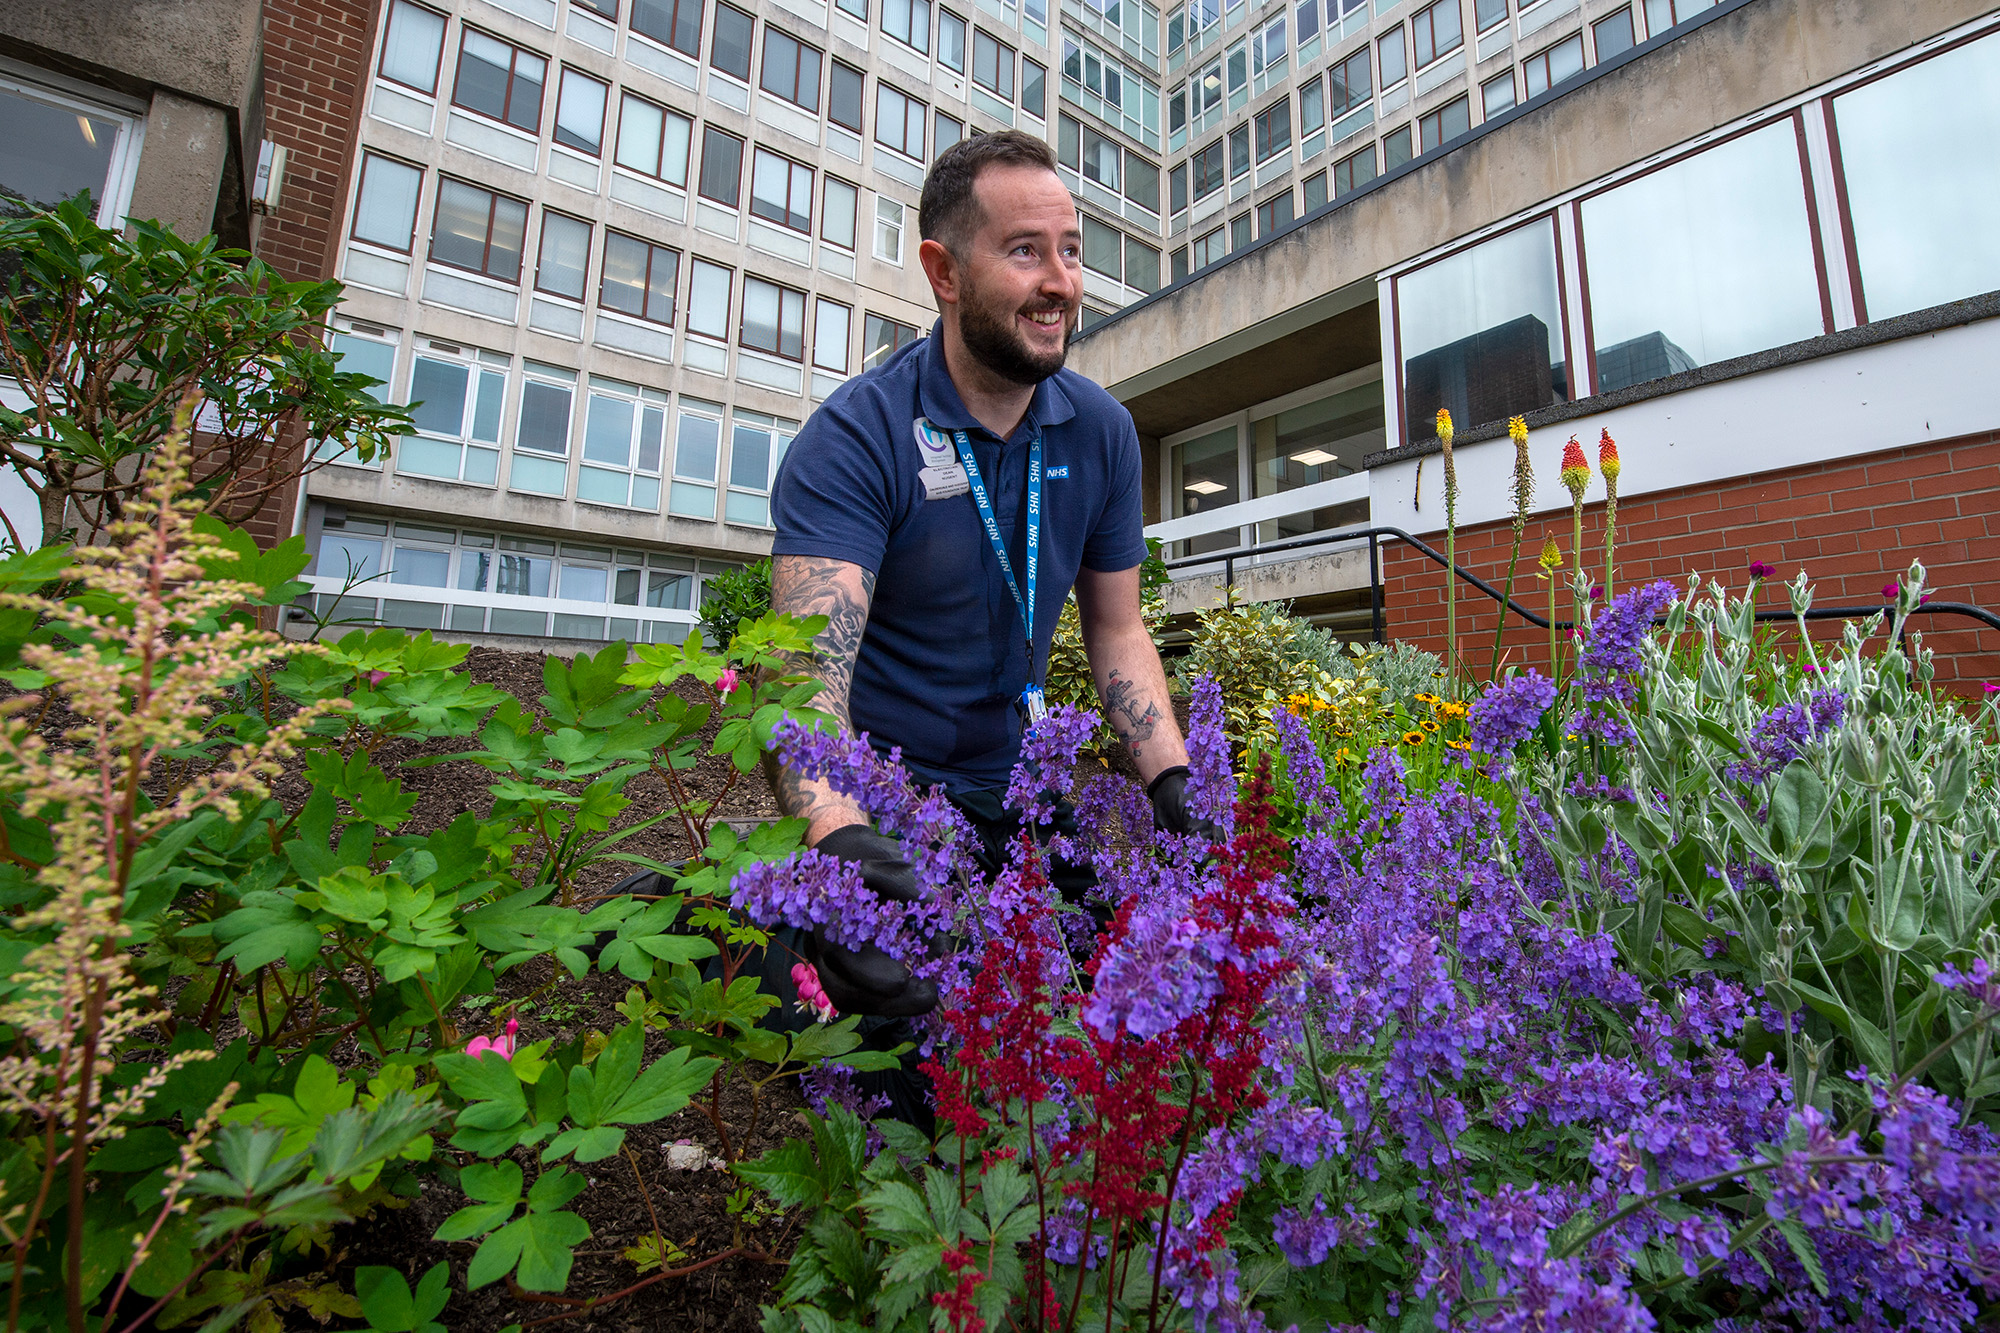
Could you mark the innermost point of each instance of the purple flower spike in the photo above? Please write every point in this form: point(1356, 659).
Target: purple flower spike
point(1509, 712)
point(1047, 768)
point(1160, 973)
point(1211, 791)
point(1611, 663)
point(1782, 734)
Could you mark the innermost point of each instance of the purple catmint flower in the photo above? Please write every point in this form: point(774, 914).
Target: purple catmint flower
point(1161, 972)
point(1978, 982)
point(813, 891)
point(826, 1086)
point(1509, 712)
point(1611, 662)
point(1047, 767)
point(1305, 1236)
point(1211, 790)
point(1317, 801)
point(1782, 734)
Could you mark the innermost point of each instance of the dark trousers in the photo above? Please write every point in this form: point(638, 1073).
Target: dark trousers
point(907, 1088)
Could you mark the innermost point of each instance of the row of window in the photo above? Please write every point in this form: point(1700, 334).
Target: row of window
point(1349, 85)
point(482, 231)
point(1435, 31)
point(613, 432)
point(506, 84)
point(1098, 157)
point(428, 570)
point(1721, 253)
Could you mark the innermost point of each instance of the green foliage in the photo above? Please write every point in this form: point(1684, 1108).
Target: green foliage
point(332, 927)
point(110, 332)
point(733, 597)
point(1878, 842)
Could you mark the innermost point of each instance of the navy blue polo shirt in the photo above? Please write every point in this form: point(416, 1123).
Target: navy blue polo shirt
point(944, 660)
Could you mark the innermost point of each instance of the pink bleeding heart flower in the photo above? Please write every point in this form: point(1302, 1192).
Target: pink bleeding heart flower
point(503, 1046)
point(376, 678)
point(726, 682)
point(812, 996)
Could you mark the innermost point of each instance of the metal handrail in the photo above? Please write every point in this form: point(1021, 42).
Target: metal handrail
point(1373, 537)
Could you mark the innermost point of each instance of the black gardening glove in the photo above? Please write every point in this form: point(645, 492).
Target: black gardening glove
point(1168, 793)
point(867, 980)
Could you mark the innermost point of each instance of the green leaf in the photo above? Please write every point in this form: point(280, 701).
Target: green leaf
point(1805, 1251)
point(386, 1300)
point(539, 1243)
point(663, 1089)
point(897, 1209)
point(555, 1188)
point(788, 1174)
point(492, 1182)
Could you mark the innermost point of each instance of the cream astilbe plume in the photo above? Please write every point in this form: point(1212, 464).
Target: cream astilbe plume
point(138, 677)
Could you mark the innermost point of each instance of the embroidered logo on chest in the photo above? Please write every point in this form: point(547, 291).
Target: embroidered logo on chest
point(1058, 473)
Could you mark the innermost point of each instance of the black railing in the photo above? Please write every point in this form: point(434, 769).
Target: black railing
point(1374, 536)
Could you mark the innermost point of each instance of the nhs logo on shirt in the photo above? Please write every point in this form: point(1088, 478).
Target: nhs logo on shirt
point(1058, 473)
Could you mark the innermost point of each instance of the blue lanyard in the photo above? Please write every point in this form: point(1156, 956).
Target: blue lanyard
point(980, 498)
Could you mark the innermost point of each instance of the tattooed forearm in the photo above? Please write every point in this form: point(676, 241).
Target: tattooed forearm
point(840, 591)
point(1133, 716)
point(806, 586)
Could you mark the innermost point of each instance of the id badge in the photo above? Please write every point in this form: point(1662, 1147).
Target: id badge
point(1035, 703)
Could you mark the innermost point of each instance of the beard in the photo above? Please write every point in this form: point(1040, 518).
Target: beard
point(991, 337)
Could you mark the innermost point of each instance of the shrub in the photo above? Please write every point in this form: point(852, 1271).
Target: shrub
point(108, 331)
point(735, 597)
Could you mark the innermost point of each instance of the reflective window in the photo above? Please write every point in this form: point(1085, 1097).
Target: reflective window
point(385, 204)
point(1548, 68)
point(411, 45)
point(1350, 83)
point(499, 80)
point(653, 140)
point(729, 46)
point(639, 278)
point(843, 106)
point(565, 256)
point(1204, 477)
point(478, 230)
point(1613, 36)
point(1482, 332)
point(881, 337)
point(674, 22)
point(697, 443)
point(1315, 442)
point(1707, 259)
point(1352, 171)
point(1904, 139)
point(580, 112)
point(1498, 94)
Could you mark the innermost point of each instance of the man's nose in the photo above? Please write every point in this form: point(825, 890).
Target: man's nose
point(1060, 281)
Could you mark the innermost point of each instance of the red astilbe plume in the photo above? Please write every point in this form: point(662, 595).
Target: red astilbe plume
point(960, 1304)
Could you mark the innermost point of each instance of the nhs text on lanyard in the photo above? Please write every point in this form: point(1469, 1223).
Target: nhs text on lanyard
point(1031, 698)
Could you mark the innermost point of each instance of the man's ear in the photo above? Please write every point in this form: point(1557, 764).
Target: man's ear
point(941, 267)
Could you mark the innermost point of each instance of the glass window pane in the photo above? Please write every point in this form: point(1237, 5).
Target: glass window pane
point(639, 124)
point(486, 412)
point(844, 97)
point(1706, 259)
point(1101, 245)
point(510, 233)
point(347, 558)
point(483, 68)
point(696, 444)
point(1903, 139)
point(474, 568)
point(411, 45)
point(1614, 35)
point(1034, 82)
point(459, 234)
point(951, 41)
point(749, 458)
point(522, 576)
point(836, 223)
point(385, 209)
point(580, 113)
point(1204, 478)
point(565, 256)
point(422, 568)
point(708, 299)
point(831, 322)
point(729, 48)
point(584, 583)
point(1482, 332)
point(652, 433)
point(544, 424)
point(438, 389)
point(1142, 264)
point(721, 165)
point(607, 436)
point(365, 356)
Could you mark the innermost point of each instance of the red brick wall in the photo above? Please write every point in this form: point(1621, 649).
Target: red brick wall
point(1853, 524)
point(315, 72)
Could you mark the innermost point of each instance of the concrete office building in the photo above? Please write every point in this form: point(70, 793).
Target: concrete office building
point(1751, 240)
point(620, 249)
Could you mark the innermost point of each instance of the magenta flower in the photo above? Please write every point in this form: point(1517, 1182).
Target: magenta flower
point(812, 996)
point(376, 678)
point(503, 1046)
point(1760, 570)
point(1991, 688)
point(1597, 593)
point(726, 682)
point(1890, 590)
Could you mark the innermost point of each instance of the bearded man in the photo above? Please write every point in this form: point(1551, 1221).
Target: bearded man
point(939, 509)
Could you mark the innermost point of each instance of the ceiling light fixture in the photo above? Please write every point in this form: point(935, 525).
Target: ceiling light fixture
point(1206, 487)
point(1315, 457)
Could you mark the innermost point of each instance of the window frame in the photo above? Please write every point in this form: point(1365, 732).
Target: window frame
point(900, 228)
point(645, 313)
point(846, 342)
point(743, 318)
point(1438, 114)
point(1483, 25)
point(1424, 34)
point(964, 42)
point(1398, 37)
point(1340, 73)
point(541, 247)
point(1003, 65)
point(1346, 166)
point(710, 133)
point(603, 115)
point(627, 96)
point(1548, 70)
point(1200, 166)
point(827, 182)
point(1631, 33)
point(859, 125)
point(492, 213)
point(798, 62)
point(513, 74)
point(749, 45)
point(1040, 111)
point(673, 14)
point(1487, 111)
point(791, 167)
point(921, 109)
point(896, 328)
point(908, 10)
point(437, 66)
point(369, 155)
point(696, 263)
point(1263, 123)
point(642, 400)
point(477, 365)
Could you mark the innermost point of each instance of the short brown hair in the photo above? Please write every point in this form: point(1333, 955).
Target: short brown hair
point(949, 210)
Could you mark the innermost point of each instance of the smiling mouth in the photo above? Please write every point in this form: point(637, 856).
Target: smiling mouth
point(1048, 319)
